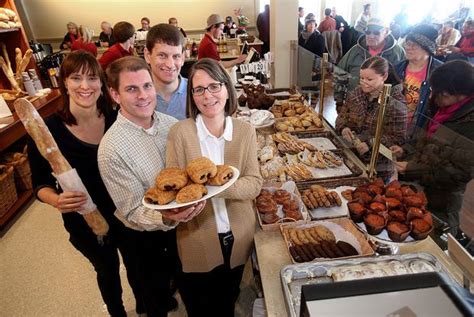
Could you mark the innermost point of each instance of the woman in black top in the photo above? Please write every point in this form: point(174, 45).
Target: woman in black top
point(71, 35)
point(78, 128)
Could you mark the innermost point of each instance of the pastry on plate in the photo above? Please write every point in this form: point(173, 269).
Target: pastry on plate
point(200, 170)
point(224, 174)
point(190, 193)
point(159, 197)
point(171, 178)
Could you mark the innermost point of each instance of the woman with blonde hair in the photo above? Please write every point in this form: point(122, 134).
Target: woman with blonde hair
point(70, 37)
point(85, 41)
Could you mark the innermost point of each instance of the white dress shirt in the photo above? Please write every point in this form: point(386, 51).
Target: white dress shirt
point(213, 148)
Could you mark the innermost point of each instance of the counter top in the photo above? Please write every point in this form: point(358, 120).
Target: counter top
point(272, 256)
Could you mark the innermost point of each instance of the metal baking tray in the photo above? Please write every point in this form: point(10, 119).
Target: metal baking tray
point(338, 185)
point(351, 165)
point(295, 275)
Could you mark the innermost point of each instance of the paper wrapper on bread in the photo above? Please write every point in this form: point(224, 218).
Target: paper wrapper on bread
point(62, 170)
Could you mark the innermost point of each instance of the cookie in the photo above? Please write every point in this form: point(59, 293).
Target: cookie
point(171, 178)
point(200, 170)
point(190, 193)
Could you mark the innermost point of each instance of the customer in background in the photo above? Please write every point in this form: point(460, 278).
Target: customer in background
point(300, 16)
point(106, 37)
point(400, 22)
point(84, 42)
point(415, 73)
point(449, 35)
point(215, 245)
point(174, 22)
point(329, 23)
point(208, 46)
point(78, 127)
point(263, 26)
point(377, 41)
point(443, 159)
point(461, 15)
point(311, 39)
point(341, 23)
point(464, 48)
point(71, 35)
point(230, 27)
point(362, 20)
point(145, 22)
point(358, 116)
point(124, 33)
point(131, 154)
point(164, 53)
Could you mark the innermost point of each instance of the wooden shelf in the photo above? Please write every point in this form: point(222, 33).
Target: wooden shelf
point(14, 130)
point(9, 30)
point(23, 198)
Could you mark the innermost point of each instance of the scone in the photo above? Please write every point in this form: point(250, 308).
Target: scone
point(171, 178)
point(224, 174)
point(200, 170)
point(191, 192)
point(160, 197)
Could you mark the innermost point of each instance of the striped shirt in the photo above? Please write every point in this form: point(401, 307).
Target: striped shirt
point(129, 159)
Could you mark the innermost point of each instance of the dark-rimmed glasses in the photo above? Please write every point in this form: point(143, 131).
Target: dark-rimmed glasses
point(212, 88)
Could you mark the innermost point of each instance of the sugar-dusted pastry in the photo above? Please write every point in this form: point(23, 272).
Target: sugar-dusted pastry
point(191, 192)
point(224, 174)
point(171, 178)
point(200, 170)
point(160, 197)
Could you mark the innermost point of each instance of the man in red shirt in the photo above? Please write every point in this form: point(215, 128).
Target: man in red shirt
point(124, 34)
point(465, 45)
point(328, 24)
point(208, 45)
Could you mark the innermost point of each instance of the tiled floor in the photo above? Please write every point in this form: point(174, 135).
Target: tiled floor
point(41, 274)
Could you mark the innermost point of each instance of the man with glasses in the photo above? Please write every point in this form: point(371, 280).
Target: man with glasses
point(377, 41)
point(208, 45)
point(164, 53)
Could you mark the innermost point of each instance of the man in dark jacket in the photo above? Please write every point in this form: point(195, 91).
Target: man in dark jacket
point(311, 39)
point(415, 71)
point(375, 41)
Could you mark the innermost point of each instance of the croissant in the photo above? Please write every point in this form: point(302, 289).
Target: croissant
point(171, 178)
point(191, 192)
point(160, 197)
point(201, 169)
point(224, 174)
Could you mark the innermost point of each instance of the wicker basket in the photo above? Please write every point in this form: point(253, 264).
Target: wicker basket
point(21, 165)
point(7, 189)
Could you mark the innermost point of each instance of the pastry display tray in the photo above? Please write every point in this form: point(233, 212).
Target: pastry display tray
point(295, 275)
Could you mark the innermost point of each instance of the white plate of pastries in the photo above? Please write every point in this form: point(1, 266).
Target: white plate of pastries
point(200, 180)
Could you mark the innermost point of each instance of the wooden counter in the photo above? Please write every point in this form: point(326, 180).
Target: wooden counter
point(272, 256)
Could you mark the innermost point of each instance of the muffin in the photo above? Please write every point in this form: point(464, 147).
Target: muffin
point(392, 192)
point(363, 196)
point(377, 206)
point(356, 211)
point(281, 196)
point(398, 231)
point(392, 203)
point(408, 190)
point(375, 223)
point(420, 229)
point(397, 215)
point(375, 190)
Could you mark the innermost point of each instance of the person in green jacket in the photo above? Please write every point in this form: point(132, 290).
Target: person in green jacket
point(377, 41)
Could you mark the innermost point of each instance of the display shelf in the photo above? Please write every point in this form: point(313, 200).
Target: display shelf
point(23, 198)
point(9, 30)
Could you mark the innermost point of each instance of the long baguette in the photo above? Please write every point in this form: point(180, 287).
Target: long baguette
point(48, 148)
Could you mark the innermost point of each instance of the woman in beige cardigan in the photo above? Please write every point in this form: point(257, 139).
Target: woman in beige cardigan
point(214, 246)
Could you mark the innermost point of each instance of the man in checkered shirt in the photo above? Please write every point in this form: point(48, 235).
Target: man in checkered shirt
point(130, 155)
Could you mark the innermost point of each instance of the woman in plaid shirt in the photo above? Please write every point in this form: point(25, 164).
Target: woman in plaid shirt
point(357, 118)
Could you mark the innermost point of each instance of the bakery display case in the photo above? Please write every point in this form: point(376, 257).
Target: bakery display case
point(387, 214)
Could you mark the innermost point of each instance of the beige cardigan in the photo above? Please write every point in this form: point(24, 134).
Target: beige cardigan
point(198, 244)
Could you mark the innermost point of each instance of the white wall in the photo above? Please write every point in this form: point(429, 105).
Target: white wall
point(48, 18)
